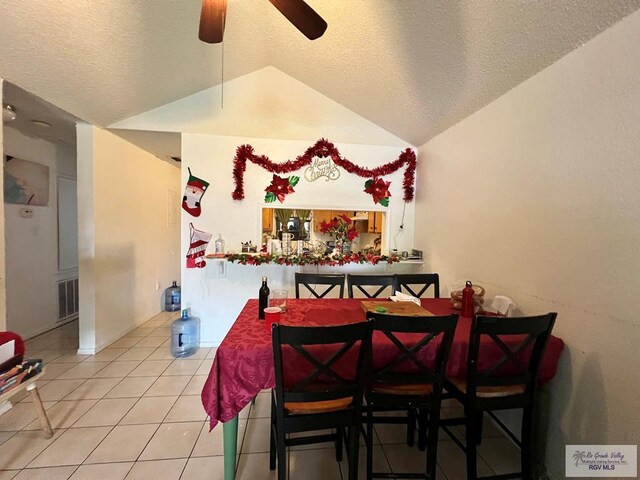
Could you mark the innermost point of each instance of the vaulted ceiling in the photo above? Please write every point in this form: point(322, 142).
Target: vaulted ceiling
point(413, 67)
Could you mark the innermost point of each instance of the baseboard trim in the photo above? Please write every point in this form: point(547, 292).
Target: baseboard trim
point(114, 338)
point(42, 331)
point(86, 351)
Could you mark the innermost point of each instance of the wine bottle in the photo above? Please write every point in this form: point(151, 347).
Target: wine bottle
point(467, 301)
point(263, 298)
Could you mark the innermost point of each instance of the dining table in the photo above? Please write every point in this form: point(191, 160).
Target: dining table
point(243, 364)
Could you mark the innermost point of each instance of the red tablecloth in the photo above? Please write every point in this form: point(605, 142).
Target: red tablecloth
point(243, 365)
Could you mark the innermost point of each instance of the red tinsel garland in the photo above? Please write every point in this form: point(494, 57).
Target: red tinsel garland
point(249, 259)
point(322, 148)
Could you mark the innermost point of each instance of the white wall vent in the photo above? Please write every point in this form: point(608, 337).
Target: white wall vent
point(68, 299)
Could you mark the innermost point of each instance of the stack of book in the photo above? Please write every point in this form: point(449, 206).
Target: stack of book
point(19, 373)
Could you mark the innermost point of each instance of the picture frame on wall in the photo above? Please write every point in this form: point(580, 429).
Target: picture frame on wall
point(25, 182)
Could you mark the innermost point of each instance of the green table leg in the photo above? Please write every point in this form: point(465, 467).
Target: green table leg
point(230, 442)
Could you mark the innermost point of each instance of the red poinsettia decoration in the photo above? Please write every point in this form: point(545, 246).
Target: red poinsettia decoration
point(379, 189)
point(279, 188)
point(340, 228)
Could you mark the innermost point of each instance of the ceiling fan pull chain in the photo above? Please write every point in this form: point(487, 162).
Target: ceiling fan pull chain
point(222, 78)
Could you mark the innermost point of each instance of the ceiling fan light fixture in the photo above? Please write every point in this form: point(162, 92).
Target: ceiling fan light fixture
point(212, 20)
point(8, 113)
point(302, 16)
point(41, 123)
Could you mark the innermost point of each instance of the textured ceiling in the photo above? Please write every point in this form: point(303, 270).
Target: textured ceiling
point(414, 67)
point(28, 108)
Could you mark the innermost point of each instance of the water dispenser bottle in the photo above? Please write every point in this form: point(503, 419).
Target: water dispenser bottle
point(172, 298)
point(185, 335)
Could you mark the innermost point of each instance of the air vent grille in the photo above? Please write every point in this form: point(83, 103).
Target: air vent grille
point(68, 299)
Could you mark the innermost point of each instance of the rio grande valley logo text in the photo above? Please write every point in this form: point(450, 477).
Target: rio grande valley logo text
point(599, 460)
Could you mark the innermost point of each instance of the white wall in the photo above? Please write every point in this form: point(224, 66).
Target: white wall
point(536, 196)
point(86, 237)
point(126, 241)
point(32, 243)
point(3, 292)
point(266, 103)
point(217, 301)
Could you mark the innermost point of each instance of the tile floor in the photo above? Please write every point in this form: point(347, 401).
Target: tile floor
point(133, 412)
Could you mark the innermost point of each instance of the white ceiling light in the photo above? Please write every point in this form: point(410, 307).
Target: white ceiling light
point(8, 113)
point(41, 123)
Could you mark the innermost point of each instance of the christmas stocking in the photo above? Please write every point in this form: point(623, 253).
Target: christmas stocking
point(193, 193)
point(198, 242)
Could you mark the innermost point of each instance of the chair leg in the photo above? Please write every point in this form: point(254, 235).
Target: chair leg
point(354, 436)
point(432, 442)
point(369, 444)
point(272, 437)
point(411, 426)
point(272, 448)
point(339, 444)
point(525, 446)
point(423, 423)
point(470, 443)
point(479, 425)
point(281, 450)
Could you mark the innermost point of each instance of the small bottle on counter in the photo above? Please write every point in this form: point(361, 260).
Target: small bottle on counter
point(263, 298)
point(219, 245)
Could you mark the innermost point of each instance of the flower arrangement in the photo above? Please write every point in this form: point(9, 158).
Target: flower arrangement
point(340, 228)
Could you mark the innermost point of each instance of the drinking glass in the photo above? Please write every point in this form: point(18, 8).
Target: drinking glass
point(278, 298)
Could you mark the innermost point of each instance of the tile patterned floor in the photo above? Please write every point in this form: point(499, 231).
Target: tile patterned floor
point(133, 412)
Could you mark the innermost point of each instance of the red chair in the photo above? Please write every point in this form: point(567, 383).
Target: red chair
point(18, 351)
point(29, 384)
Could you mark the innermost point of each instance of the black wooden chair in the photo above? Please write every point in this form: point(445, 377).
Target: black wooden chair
point(508, 382)
point(417, 284)
point(385, 283)
point(322, 388)
point(312, 280)
point(407, 382)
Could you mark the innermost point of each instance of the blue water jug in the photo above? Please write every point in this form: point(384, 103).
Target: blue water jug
point(185, 335)
point(172, 298)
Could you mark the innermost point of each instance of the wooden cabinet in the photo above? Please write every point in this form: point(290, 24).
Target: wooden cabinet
point(267, 219)
point(375, 223)
point(337, 213)
point(320, 216)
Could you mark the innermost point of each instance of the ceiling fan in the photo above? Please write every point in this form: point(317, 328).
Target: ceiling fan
point(301, 15)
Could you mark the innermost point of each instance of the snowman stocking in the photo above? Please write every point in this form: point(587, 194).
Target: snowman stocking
point(198, 241)
point(193, 193)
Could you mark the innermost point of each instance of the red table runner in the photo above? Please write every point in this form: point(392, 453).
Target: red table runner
point(243, 365)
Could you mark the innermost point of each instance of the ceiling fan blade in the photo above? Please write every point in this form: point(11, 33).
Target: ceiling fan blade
point(212, 20)
point(302, 16)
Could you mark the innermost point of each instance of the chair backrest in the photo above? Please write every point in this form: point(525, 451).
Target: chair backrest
point(420, 358)
point(320, 363)
point(312, 280)
point(417, 284)
point(380, 284)
point(507, 351)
